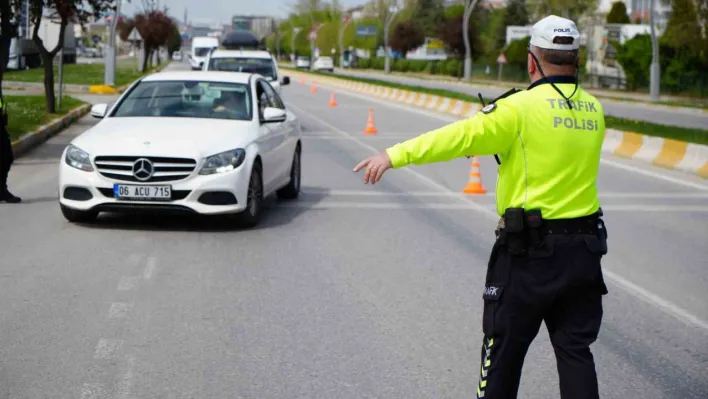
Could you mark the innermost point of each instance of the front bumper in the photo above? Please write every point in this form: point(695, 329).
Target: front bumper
point(222, 193)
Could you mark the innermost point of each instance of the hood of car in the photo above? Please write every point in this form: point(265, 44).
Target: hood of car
point(169, 137)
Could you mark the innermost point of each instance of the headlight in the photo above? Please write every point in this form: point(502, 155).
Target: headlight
point(78, 158)
point(224, 162)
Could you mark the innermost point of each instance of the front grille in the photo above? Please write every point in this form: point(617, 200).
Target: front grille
point(165, 169)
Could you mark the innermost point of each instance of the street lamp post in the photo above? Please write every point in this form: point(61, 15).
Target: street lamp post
point(393, 10)
point(654, 70)
point(292, 42)
point(342, 28)
point(110, 61)
point(469, 6)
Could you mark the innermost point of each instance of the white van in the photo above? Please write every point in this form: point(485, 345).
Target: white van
point(201, 46)
point(253, 61)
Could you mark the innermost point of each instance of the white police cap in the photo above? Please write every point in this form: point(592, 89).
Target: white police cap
point(545, 30)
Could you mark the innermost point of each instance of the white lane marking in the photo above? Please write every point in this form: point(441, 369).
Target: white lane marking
point(128, 283)
point(106, 348)
point(365, 193)
point(149, 268)
point(468, 206)
point(656, 175)
point(612, 276)
point(667, 306)
point(411, 172)
point(125, 384)
point(93, 391)
point(385, 137)
point(604, 160)
point(118, 310)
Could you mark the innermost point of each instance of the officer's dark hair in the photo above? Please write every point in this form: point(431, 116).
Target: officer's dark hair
point(559, 57)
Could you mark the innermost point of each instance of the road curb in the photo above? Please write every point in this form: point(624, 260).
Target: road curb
point(665, 153)
point(31, 140)
point(377, 74)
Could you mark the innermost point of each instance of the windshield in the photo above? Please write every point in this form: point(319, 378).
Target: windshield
point(187, 99)
point(261, 66)
point(201, 51)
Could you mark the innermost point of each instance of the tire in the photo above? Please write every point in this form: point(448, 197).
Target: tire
point(76, 216)
point(292, 190)
point(254, 206)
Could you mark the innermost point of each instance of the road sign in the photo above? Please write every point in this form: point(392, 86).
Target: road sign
point(366, 31)
point(135, 36)
point(501, 59)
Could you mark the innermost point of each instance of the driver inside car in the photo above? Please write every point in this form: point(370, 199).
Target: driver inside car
point(231, 101)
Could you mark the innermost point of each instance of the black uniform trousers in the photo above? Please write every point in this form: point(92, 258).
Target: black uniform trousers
point(6, 156)
point(560, 283)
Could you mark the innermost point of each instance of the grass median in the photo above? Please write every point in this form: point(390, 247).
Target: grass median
point(83, 74)
point(27, 113)
point(698, 136)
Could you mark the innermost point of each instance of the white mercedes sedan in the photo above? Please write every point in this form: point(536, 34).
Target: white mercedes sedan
point(206, 143)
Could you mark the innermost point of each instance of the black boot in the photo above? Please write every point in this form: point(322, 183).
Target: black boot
point(6, 195)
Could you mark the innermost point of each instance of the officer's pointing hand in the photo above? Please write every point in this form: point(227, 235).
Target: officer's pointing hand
point(375, 167)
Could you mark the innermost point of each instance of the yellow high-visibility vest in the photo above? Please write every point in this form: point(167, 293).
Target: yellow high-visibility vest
point(550, 154)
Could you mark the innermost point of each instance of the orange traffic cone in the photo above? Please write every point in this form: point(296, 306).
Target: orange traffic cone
point(474, 183)
point(370, 128)
point(332, 101)
point(313, 89)
point(302, 80)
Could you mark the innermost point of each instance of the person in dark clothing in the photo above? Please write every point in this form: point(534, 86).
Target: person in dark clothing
point(6, 157)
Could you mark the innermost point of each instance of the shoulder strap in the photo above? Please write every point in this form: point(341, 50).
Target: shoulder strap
point(504, 95)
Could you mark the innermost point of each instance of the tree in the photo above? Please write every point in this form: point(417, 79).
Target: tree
point(618, 14)
point(454, 40)
point(407, 36)
point(60, 12)
point(155, 28)
point(174, 40)
point(430, 14)
point(124, 28)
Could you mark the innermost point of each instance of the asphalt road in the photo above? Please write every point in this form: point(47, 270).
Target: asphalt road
point(663, 115)
point(352, 291)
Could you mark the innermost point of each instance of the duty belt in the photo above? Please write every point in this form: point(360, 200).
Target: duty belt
point(582, 225)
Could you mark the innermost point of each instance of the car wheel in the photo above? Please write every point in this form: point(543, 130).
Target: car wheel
point(252, 215)
point(292, 190)
point(76, 216)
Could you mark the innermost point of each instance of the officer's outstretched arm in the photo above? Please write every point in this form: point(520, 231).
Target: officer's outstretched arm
point(491, 131)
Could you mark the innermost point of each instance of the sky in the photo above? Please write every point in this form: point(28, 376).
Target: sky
point(221, 11)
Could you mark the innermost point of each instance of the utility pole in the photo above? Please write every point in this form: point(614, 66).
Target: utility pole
point(392, 11)
point(345, 21)
point(292, 42)
point(654, 71)
point(469, 6)
point(110, 60)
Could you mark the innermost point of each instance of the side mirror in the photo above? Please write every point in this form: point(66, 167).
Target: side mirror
point(274, 115)
point(99, 110)
point(286, 80)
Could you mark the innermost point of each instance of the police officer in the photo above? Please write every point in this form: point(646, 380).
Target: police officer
point(545, 263)
point(6, 156)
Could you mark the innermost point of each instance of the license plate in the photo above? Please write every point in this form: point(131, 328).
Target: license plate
point(142, 193)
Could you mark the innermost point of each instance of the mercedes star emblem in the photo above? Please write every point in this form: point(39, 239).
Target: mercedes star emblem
point(143, 169)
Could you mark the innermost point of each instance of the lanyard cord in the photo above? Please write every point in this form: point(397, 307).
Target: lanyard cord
point(567, 99)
